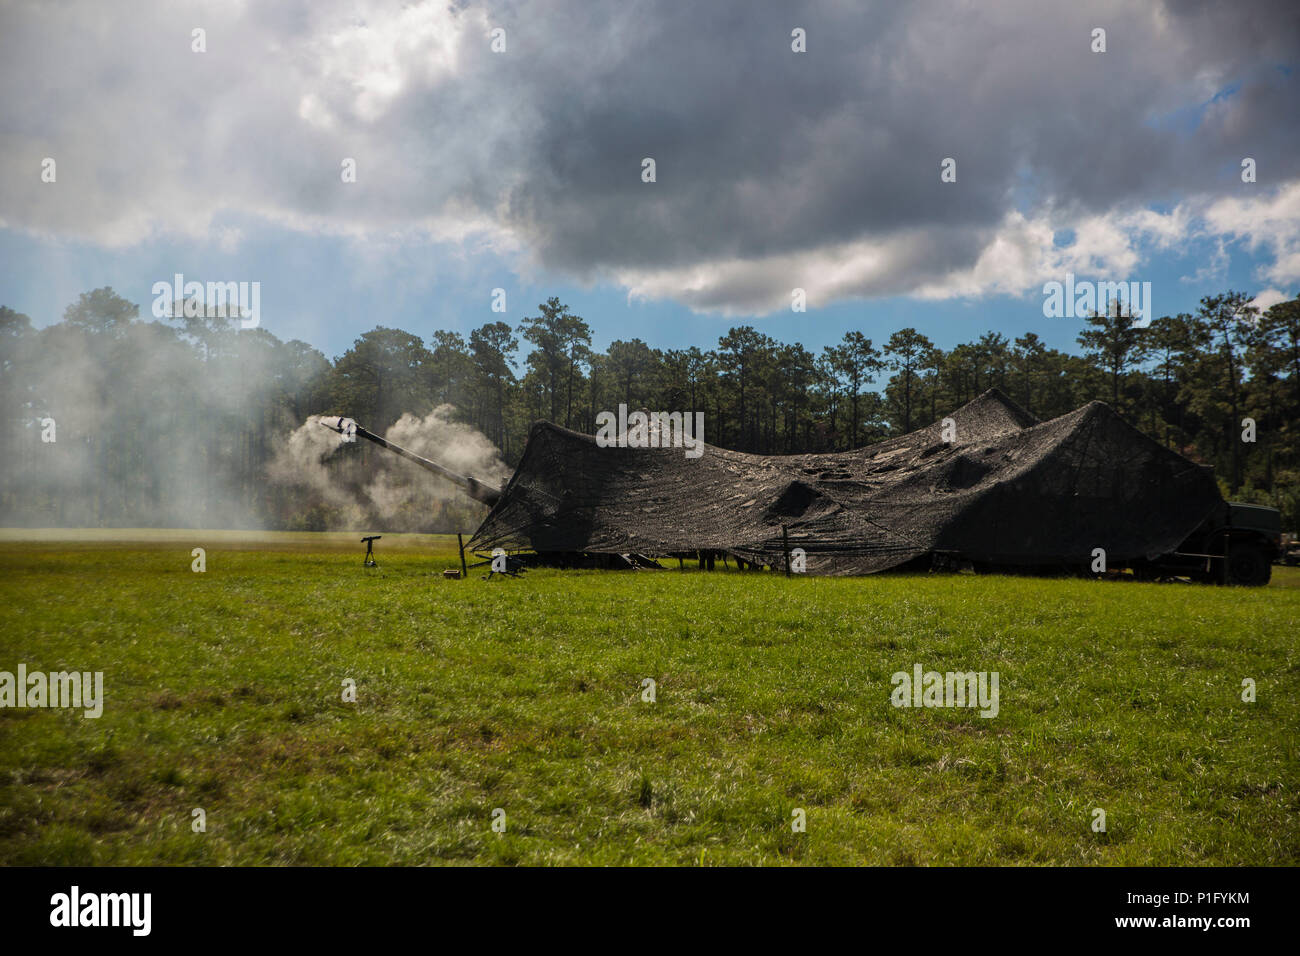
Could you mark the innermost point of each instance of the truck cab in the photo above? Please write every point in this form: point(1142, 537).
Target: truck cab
point(1254, 543)
point(1236, 545)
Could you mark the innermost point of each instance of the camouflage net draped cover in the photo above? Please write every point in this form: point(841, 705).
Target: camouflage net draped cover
point(1006, 490)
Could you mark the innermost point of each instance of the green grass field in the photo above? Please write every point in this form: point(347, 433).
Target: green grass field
point(223, 691)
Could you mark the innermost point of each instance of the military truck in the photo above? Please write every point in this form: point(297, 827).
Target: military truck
point(1237, 544)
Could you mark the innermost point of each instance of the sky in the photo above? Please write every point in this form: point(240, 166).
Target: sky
point(795, 146)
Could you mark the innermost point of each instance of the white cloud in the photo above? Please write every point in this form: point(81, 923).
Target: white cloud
point(1014, 259)
point(1269, 222)
point(368, 62)
point(1269, 298)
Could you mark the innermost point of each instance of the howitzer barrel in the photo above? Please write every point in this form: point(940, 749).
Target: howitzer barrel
point(471, 486)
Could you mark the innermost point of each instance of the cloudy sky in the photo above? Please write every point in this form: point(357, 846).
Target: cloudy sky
point(522, 169)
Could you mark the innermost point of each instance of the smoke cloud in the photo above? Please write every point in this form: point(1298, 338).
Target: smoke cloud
point(110, 422)
point(356, 484)
point(147, 427)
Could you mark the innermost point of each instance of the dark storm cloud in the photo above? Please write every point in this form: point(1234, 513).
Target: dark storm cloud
point(762, 151)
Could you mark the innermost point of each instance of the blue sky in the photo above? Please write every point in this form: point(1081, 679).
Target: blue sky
point(330, 301)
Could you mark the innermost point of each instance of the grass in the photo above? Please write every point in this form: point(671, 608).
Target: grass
point(224, 692)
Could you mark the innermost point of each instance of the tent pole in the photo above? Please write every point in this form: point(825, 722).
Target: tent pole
point(785, 544)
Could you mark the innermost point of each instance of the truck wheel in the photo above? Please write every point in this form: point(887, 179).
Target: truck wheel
point(1248, 566)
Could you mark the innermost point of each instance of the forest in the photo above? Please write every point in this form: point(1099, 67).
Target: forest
point(177, 423)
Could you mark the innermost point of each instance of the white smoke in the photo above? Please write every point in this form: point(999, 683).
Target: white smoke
point(359, 484)
point(299, 465)
point(152, 431)
point(450, 443)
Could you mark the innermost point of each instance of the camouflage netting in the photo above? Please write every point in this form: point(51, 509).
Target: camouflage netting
point(1008, 490)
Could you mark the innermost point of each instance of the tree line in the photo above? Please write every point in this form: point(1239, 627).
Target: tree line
point(189, 410)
